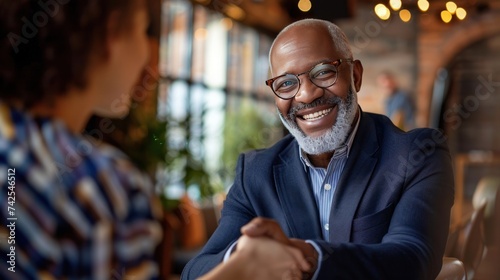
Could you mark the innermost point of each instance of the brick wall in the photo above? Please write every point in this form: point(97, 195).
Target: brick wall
point(439, 43)
point(382, 46)
point(469, 50)
point(470, 115)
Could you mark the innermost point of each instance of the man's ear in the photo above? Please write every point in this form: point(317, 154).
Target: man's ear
point(357, 71)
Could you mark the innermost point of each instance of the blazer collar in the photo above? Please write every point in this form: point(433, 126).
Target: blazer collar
point(354, 180)
point(296, 195)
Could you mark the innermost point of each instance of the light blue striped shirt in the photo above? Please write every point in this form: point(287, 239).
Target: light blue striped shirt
point(324, 181)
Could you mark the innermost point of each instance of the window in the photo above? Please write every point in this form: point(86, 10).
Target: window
point(212, 68)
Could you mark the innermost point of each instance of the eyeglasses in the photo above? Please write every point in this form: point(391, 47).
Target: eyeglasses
point(322, 75)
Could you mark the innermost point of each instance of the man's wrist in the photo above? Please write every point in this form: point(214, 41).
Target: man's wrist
point(319, 257)
point(310, 253)
point(229, 251)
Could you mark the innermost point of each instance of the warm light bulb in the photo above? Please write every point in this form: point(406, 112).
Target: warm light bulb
point(405, 15)
point(446, 16)
point(382, 11)
point(423, 5)
point(235, 12)
point(305, 5)
point(200, 34)
point(227, 23)
point(461, 13)
point(451, 7)
point(395, 4)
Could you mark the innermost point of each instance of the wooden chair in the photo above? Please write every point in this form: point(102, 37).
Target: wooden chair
point(452, 269)
point(488, 191)
point(467, 243)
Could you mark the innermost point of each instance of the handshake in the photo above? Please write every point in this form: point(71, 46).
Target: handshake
point(265, 252)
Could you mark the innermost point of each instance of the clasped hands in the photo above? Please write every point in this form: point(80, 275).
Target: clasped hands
point(273, 255)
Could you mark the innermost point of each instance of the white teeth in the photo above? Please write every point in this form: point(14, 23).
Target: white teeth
point(317, 115)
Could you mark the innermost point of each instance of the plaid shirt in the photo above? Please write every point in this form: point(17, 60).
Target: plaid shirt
point(70, 209)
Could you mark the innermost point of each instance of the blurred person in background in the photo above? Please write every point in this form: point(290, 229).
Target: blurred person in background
point(72, 208)
point(399, 106)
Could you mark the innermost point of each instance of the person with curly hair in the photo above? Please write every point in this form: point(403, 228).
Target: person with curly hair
point(72, 208)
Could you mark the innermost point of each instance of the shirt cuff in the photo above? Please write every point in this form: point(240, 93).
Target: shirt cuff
point(229, 251)
point(320, 257)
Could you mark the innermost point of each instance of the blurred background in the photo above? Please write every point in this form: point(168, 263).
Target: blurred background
point(203, 100)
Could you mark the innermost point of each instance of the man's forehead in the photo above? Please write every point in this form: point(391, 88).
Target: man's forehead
point(299, 42)
point(301, 32)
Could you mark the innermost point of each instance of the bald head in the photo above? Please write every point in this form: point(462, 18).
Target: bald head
point(331, 31)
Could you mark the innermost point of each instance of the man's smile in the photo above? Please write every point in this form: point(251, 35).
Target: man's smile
point(317, 115)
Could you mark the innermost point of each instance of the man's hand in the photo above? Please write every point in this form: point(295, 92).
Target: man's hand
point(262, 227)
point(261, 258)
point(310, 254)
point(265, 227)
point(265, 258)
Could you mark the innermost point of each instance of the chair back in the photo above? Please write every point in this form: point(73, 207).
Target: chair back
point(452, 269)
point(471, 243)
point(488, 190)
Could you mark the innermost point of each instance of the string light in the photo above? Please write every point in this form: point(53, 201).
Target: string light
point(423, 5)
point(452, 9)
point(405, 15)
point(446, 16)
point(395, 4)
point(304, 5)
point(235, 12)
point(461, 13)
point(382, 11)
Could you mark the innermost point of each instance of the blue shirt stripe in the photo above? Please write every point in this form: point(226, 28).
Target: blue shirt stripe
point(324, 181)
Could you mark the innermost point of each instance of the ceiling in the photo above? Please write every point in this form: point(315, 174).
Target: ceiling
point(271, 16)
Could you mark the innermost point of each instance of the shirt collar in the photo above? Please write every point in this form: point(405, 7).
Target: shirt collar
point(347, 145)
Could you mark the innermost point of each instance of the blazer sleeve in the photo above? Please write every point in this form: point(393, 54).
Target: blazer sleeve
point(414, 244)
point(237, 212)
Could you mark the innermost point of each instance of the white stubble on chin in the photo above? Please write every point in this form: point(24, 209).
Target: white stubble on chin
point(334, 137)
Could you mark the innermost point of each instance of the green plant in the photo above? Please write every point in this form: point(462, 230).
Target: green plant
point(183, 166)
point(247, 129)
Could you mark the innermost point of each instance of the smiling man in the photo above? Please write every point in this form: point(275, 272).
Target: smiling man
point(359, 197)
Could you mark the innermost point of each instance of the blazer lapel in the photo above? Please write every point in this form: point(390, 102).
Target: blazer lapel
point(296, 195)
point(354, 180)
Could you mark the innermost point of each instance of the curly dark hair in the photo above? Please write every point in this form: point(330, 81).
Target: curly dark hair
point(46, 45)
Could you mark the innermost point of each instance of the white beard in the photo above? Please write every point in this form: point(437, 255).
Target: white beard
point(334, 137)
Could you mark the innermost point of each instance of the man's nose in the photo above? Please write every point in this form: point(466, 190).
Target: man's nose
point(308, 91)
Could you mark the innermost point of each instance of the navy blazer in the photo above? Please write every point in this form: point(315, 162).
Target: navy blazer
point(390, 212)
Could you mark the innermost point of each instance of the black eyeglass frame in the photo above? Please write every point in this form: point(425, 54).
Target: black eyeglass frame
point(335, 63)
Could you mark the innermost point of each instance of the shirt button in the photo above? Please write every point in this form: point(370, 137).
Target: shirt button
point(327, 226)
point(328, 187)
